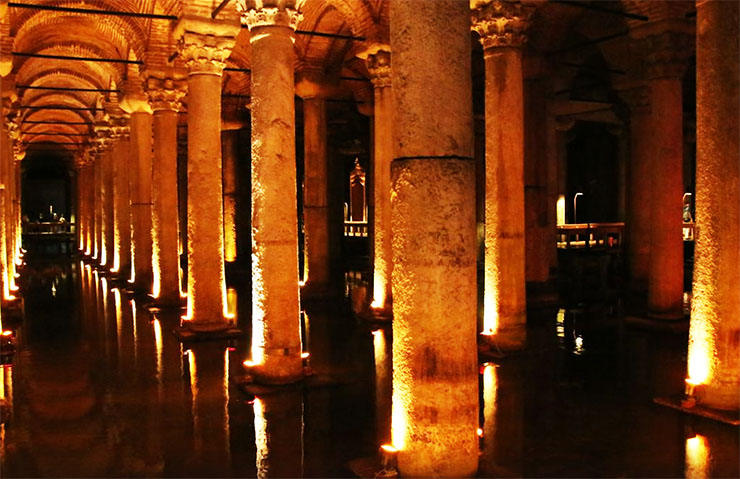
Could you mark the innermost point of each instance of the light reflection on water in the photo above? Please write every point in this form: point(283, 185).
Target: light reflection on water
point(164, 412)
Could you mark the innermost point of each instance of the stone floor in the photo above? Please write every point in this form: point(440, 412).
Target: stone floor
point(100, 387)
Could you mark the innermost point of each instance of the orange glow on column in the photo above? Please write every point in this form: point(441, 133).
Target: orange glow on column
point(697, 458)
point(260, 438)
point(379, 285)
point(156, 272)
point(490, 399)
point(490, 303)
point(701, 347)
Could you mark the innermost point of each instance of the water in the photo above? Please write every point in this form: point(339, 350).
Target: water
point(101, 388)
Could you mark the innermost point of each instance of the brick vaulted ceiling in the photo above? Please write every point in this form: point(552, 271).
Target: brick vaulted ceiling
point(148, 44)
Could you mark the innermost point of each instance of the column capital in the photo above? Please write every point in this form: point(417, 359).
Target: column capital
point(266, 13)
point(19, 151)
point(205, 44)
point(166, 93)
point(500, 23)
point(637, 98)
point(378, 62)
point(667, 53)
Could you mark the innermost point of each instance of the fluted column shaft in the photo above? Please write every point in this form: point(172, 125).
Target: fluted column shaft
point(505, 302)
point(276, 342)
point(435, 374)
point(715, 314)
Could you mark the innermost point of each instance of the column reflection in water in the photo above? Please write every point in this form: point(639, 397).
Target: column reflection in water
point(6, 397)
point(503, 421)
point(209, 385)
point(383, 386)
point(697, 458)
point(278, 430)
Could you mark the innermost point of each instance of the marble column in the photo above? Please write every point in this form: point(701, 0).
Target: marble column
point(638, 222)
point(121, 202)
point(713, 358)
point(90, 201)
point(97, 191)
point(276, 341)
point(378, 62)
point(435, 374)
point(229, 149)
point(501, 28)
point(140, 188)
point(316, 197)
point(666, 60)
point(205, 55)
point(165, 96)
point(108, 210)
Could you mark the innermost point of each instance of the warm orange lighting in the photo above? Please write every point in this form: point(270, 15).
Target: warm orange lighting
point(389, 448)
point(697, 455)
point(479, 432)
point(379, 285)
point(701, 346)
point(305, 355)
point(156, 272)
point(158, 345)
point(260, 438)
point(231, 302)
point(7, 333)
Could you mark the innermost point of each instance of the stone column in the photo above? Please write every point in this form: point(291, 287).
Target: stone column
point(205, 56)
point(90, 200)
point(435, 373)
point(666, 53)
point(276, 342)
point(315, 196)
point(97, 191)
point(641, 158)
point(501, 27)
point(379, 65)
point(140, 187)
point(108, 211)
point(165, 97)
point(715, 311)
point(229, 139)
point(121, 202)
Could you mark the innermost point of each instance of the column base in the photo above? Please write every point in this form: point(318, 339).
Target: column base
point(681, 403)
point(206, 332)
point(373, 315)
point(275, 372)
point(161, 303)
point(510, 340)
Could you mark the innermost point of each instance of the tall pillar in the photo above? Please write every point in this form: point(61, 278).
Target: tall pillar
point(108, 211)
point(505, 304)
point(137, 105)
point(121, 201)
point(715, 311)
point(435, 374)
point(666, 54)
point(378, 62)
point(276, 341)
point(90, 200)
point(97, 191)
point(165, 97)
point(641, 158)
point(229, 140)
point(205, 56)
point(316, 197)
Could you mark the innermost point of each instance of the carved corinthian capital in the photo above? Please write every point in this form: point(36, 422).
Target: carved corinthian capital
point(500, 23)
point(379, 66)
point(204, 44)
point(263, 13)
point(165, 94)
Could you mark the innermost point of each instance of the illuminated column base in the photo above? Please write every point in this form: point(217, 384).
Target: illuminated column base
point(435, 373)
point(713, 359)
point(505, 301)
point(276, 342)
